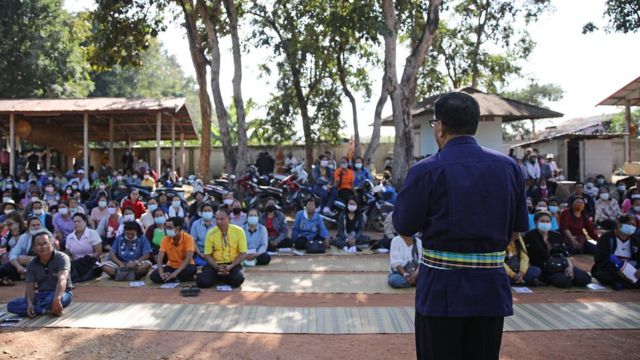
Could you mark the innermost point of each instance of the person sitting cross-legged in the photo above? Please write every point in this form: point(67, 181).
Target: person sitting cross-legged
point(308, 226)
point(48, 283)
point(225, 247)
point(130, 253)
point(404, 260)
point(615, 248)
point(178, 247)
point(257, 240)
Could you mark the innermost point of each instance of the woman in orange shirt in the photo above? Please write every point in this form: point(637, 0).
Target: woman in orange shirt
point(344, 178)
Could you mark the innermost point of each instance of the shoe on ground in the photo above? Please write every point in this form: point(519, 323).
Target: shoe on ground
point(328, 212)
point(383, 251)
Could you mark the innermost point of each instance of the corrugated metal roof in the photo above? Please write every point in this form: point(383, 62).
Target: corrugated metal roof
point(89, 105)
point(627, 95)
point(572, 136)
point(592, 127)
point(491, 105)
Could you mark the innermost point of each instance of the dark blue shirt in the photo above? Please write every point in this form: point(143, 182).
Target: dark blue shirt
point(465, 199)
point(131, 250)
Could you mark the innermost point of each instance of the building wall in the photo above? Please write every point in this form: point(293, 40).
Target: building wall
point(598, 158)
point(489, 134)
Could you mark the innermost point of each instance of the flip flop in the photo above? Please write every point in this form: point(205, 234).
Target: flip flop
point(185, 291)
point(6, 282)
point(194, 291)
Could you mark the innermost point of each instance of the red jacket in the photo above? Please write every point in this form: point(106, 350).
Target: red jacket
point(138, 207)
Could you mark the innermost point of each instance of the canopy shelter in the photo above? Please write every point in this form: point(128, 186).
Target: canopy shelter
point(627, 96)
point(69, 124)
point(494, 111)
point(491, 106)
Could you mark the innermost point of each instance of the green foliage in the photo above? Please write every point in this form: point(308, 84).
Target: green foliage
point(623, 16)
point(123, 29)
point(41, 52)
point(617, 122)
point(157, 75)
point(480, 44)
point(536, 94)
point(308, 85)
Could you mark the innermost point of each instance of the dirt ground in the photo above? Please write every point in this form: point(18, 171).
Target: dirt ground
point(130, 344)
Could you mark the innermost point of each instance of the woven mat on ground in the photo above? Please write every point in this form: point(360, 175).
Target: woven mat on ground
point(312, 320)
point(338, 283)
point(326, 263)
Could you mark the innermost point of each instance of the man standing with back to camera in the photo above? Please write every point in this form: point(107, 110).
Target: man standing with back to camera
point(467, 201)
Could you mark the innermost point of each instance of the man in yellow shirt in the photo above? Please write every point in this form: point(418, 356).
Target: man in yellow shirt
point(225, 247)
point(148, 181)
point(179, 247)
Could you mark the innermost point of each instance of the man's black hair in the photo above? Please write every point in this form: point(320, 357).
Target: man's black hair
point(459, 112)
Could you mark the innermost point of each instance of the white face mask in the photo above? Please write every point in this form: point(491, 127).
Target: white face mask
point(128, 217)
point(176, 204)
point(324, 163)
point(111, 211)
point(604, 196)
point(353, 208)
point(63, 211)
point(102, 204)
point(37, 211)
point(228, 202)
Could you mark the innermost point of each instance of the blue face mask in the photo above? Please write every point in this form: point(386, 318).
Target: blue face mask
point(627, 229)
point(159, 220)
point(171, 232)
point(544, 226)
point(553, 209)
point(207, 215)
point(252, 220)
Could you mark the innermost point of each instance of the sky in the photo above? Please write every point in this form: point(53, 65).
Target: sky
point(587, 67)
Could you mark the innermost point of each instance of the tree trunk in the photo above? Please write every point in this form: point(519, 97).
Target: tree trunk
point(352, 100)
point(241, 160)
point(476, 47)
point(210, 16)
point(377, 122)
point(200, 66)
point(401, 96)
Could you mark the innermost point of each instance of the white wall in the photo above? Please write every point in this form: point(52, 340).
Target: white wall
point(598, 158)
point(489, 134)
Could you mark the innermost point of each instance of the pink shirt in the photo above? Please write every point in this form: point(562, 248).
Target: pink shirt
point(79, 248)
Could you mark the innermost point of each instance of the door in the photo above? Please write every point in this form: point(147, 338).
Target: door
point(573, 160)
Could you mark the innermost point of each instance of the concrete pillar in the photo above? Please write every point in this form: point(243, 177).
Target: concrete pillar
point(85, 148)
point(627, 129)
point(173, 144)
point(12, 145)
point(158, 139)
point(112, 161)
point(48, 160)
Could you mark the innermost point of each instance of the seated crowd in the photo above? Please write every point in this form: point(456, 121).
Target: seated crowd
point(124, 227)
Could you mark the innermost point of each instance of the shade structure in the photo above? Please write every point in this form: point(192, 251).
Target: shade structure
point(491, 106)
point(69, 124)
point(627, 96)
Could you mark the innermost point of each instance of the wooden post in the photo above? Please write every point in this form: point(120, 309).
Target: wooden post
point(112, 161)
point(85, 148)
point(173, 144)
point(627, 129)
point(48, 155)
point(182, 157)
point(12, 144)
point(158, 139)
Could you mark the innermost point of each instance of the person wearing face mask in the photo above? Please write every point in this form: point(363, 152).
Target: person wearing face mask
point(344, 179)
point(614, 249)
point(635, 208)
point(539, 192)
point(607, 209)
point(350, 228)
point(601, 181)
point(199, 197)
point(62, 224)
point(632, 193)
point(22, 185)
point(199, 229)
point(146, 220)
point(134, 179)
point(361, 173)
point(156, 232)
point(237, 216)
point(81, 182)
point(178, 247)
point(21, 254)
point(127, 216)
point(309, 225)
point(108, 226)
point(533, 168)
point(619, 192)
point(133, 201)
point(573, 223)
point(99, 212)
point(323, 185)
point(467, 201)
point(225, 248)
point(148, 182)
point(542, 245)
point(277, 229)
point(51, 196)
point(75, 207)
point(176, 209)
point(15, 226)
point(130, 252)
point(84, 247)
point(228, 199)
point(542, 206)
point(589, 202)
point(38, 209)
point(516, 264)
point(68, 193)
point(163, 201)
point(257, 240)
point(7, 208)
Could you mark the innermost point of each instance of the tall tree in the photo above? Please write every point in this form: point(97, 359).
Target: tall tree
point(307, 82)
point(41, 51)
point(402, 93)
point(623, 16)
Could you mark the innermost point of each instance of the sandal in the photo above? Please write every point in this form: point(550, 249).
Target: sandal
point(7, 282)
point(194, 291)
point(185, 291)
